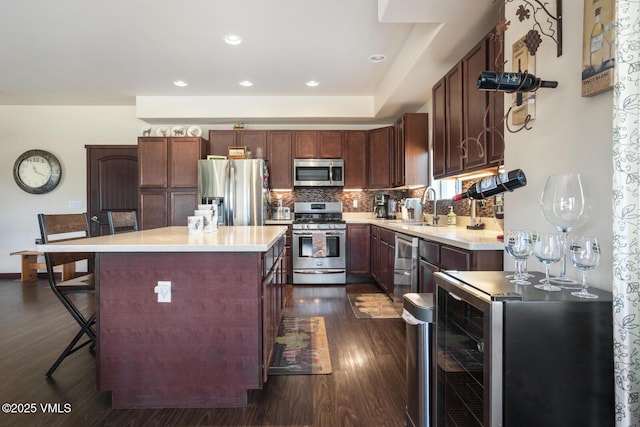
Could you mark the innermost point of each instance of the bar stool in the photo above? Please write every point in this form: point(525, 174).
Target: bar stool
point(120, 222)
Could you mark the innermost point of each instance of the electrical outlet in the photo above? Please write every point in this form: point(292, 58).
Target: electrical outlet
point(355, 203)
point(75, 204)
point(163, 290)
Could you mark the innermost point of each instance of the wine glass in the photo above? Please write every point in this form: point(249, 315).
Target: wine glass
point(563, 204)
point(519, 245)
point(585, 256)
point(548, 248)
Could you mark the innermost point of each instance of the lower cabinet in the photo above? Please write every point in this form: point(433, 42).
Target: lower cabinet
point(358, 250)
point(435, 256)
point(273, 299)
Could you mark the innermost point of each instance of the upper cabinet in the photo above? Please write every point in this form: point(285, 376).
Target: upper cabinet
point(462, 115)
point(280, 144)
point(355, 158)
point(311, 144)
point(410, 150)
point(379, 157)
point(254, 140)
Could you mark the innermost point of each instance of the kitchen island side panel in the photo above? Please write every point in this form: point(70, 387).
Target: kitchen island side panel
point(203, 349)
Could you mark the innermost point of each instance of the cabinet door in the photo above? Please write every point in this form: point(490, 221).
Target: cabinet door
point(220, 140)
point(475, 106)
point(184, 154)
point(254, 140)
point(426, 281)
point(358, 256)
point(455, 133)
point(495, 140)
point(415, 149)
point(152, 161)
point(280, 159)
point(374, 249)
point(183, 203)
point(386, 268)
point(153, 207)
point(355, 159)
point(305, 144)
point(454, 258)
point(330, 144)
point(379, 157)
point(439, 137)
point(398, 154)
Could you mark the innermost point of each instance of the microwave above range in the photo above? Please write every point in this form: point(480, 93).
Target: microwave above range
point(318, 173)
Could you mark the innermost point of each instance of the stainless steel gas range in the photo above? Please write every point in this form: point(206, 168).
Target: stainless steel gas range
point(319, 243)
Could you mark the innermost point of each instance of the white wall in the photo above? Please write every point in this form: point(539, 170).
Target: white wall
point(64, 131)
point(570, 134)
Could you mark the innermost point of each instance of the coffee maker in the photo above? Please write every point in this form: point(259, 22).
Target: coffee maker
point(380, 205)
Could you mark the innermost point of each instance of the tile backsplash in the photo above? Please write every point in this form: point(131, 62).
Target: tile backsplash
point(365, 199)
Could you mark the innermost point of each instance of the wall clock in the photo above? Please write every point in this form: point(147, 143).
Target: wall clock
point(37, 171)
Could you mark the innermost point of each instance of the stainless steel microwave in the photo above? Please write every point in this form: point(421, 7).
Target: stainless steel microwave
point(318, 173)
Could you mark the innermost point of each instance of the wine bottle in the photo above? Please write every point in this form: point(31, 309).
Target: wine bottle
point(511, 82)
point(597, 38)
point(492, 185)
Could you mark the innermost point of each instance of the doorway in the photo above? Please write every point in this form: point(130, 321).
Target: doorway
point(112, 182)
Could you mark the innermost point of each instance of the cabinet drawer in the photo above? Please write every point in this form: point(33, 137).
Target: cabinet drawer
point(430, 251)
point(388, 236)
point(454, 258)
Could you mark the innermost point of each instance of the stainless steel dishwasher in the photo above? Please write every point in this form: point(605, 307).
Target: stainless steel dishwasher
point(418, 316)
point(405, 265)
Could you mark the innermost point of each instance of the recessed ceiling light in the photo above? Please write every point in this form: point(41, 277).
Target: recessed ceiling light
point(246, 83)
point(312, 83)
point(376, 58)
point(180, 83)
point(232, 39)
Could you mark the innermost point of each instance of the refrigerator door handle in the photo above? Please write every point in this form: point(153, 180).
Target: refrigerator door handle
point(331, 173)
point(232, 192)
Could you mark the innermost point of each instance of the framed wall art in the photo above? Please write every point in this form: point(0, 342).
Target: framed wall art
point(598, 50)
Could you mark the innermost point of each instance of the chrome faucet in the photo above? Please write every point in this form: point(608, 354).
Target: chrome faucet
point(423, 202)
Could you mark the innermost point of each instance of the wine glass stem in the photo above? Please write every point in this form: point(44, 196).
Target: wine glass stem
point(546, 272)
point(563, 273)
point(584, 282)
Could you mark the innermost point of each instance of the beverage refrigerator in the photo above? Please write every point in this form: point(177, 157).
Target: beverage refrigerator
point(239, 187)
point(513, 355)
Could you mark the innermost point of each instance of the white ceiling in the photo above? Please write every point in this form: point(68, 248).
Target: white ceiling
point(129, 52)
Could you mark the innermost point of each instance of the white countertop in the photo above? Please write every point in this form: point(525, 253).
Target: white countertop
point(176, 239)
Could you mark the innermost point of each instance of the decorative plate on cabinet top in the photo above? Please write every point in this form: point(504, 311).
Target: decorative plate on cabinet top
point(178, 131)
point(194, 131)
point(162, 131)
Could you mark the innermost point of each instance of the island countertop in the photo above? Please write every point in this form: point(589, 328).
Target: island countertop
point(176, 239)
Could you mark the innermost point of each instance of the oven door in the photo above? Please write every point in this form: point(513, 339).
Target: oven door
point(305, 257)
point(468, 354)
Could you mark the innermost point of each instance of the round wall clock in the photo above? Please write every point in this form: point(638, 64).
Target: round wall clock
point(37, 171)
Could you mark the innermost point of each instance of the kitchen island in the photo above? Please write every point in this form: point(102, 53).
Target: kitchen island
point(213, 341)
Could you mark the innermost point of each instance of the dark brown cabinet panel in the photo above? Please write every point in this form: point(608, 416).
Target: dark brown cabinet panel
point(358, 250)
point(374, 252)
point(454, 123)
point(305, 144)
point(426, 281)
point(410, 152)
point(280, 159)
point(253, 140)
point(439, 138)
point(355, 159)
point(168, 179)
point(330, 144)
point(153, 157)
point(475, 104)
point(379, 157)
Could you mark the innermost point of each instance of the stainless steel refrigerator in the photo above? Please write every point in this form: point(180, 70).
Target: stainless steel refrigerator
point(240, 188)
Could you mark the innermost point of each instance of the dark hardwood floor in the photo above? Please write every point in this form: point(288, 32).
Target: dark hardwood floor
point(366, 388)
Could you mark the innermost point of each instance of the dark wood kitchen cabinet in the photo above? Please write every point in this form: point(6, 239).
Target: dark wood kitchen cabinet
point(311, 144)
point(168, 179)
point(462, 114)
point(379, 157)
point(387, 254)
point(254, 140)
point(410, 150)
point(374, 252)
point(280, 155)
point(355, 158)
point(358, 250)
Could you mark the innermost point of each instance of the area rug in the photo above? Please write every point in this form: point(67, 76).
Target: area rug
point(301, 347)
point(375, 306)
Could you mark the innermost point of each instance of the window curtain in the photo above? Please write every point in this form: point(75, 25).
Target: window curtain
point(626, 214)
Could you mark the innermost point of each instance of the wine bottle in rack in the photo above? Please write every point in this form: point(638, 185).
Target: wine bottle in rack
point(492, 185)
point(512, 82)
